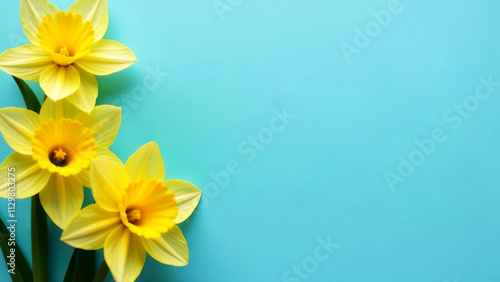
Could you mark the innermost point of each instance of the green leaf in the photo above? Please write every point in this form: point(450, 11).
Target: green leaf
point(39, 241)
point(101, 273)
point(22, 270)
point(30, 99)
point(81, 267)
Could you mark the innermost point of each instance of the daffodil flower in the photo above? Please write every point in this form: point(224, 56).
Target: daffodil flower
point(66, 50)
point(135, 213)
point(53, 151)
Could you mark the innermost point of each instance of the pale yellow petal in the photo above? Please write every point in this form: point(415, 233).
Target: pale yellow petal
point(62, 198)
point(29, 179)
point(94, 11)
point(90, 228)
point(59, 82)
point(18, 127)
point(124, 254)
point(146, 162)
point(32, 13)
point(107, 57)
point(84, 176)
point(171, 248)
point(187, 196)
point(102, 153)
point(105, 122)
point(25, 62)
point(61, 109)
point(84, 98)
point(108, 181)
point(106, 154)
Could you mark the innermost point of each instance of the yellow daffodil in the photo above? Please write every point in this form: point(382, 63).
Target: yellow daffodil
point(53, 151)
point(135, 213)
point(66, 50)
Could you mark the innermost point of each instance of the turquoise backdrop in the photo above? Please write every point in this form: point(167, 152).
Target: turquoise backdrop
point(333, 140)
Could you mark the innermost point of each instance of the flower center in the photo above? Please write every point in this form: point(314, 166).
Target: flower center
point(65, 37)
point(133, 215)
point(64, 146)
point(64, 51)
point(58, 157)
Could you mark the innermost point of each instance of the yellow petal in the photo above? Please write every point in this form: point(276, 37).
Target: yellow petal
point(26, 62)
point(106, 57)
point(108, 182)
point(29, 178)
point(102, 153)
point(171, 248)
point(18, 127)
point(94, 11)
point(187, 196)
point(84, 176)
point(105, 122)
point(146, 162)
point(124, 254)
point(59, 82)
point(61, 109)
point(84, 98)
point(106, 154)
point(90, 228)
point(32, 13)
point(62, 199)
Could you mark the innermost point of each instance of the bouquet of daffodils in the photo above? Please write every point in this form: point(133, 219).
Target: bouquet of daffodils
point(60, 148)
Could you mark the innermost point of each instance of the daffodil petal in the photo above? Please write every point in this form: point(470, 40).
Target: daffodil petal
point(59, 82)
point(84, 98)
point(105, 122)
point(146, 162)
point(187, 197)
point(32, 13)
point(26, 62)
point(102, 153)
point(124, 254)
point(62, 199)
point(94, 11)
point(108, 182)
point(106, 57)
point(84, 176)
point(90, 228)
point(61, 109)
point(171, 248)
point(18, 127)
point(29, 178)
point(106, 154)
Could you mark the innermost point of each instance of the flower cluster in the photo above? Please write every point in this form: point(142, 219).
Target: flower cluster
point(64, 147)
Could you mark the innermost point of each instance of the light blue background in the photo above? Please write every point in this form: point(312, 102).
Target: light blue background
point(323, 176)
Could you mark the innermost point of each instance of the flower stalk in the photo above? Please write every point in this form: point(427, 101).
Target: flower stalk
point(39, 241)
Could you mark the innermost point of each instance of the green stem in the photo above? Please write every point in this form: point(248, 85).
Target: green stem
point(101, 273)
point(81, 267)
point(39, 241)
